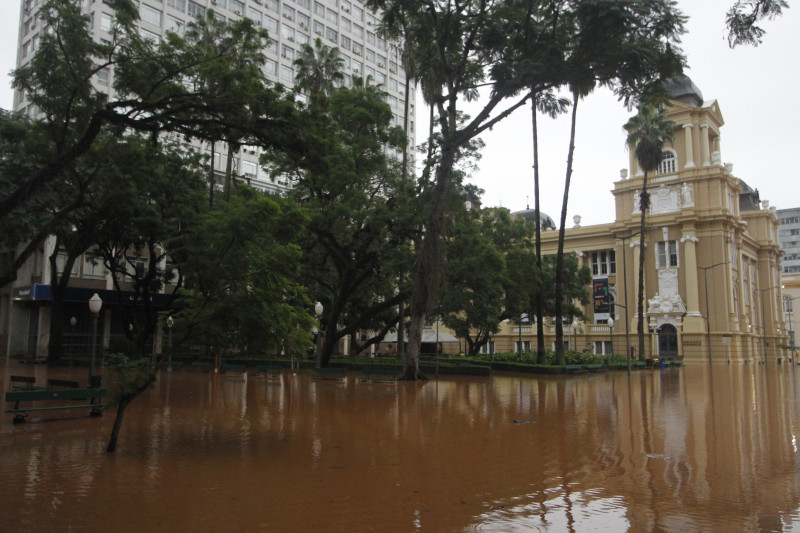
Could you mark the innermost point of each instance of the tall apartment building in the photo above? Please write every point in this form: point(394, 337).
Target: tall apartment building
point(346, 24)
point(789, 236)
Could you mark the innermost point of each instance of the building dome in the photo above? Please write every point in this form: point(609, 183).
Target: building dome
point(530, 216)
point(683, 89)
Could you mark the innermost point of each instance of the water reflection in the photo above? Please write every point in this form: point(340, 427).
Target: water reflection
point(700, 448)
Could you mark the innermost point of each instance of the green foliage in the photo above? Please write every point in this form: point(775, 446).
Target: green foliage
point(572, 357)
point(648, 131)
point(743, 16)
point(128, 377)
point(242, 268)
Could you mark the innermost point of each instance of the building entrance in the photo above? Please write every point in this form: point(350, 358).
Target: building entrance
point(667, 341)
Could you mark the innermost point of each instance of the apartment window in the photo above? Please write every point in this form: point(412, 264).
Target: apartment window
point(195, 10)
point(301, 38)
point(174, 25)
point(219, 4)
point(287, 33)
point(370, 55)
point(272, 5)
point(669, 163)
point(61, 262)
point(271, 24)
point(332, 35)
point(666, 254)
point(288, 13)
point(787, 305)
point(106, 22)
point(319, 9)
point(272, 67)
point(249, 169)
point(604, 262)
point(286, 73)
point(381, 77)
point(332, 16)
point(319, 28)
point(180, 5)
point(93, 266)
point(358, 31)
point(237, 6)
point(345, 42)
point(150, 15)
point(392, 67)
point(357, 67)
point(392, 84)
point(370, 38)
point(304, 3)
point(104, 76)
point(346, 26)
point(358, 49)
point(381, 61)
point(287, 52)
point(254, 15)
point(304, 21)
point(381, 44)
point(346, 6)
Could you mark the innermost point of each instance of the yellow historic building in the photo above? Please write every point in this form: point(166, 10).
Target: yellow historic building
point(712, 258)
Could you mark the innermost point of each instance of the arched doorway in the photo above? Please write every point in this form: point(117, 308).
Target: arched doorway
point(667, 340)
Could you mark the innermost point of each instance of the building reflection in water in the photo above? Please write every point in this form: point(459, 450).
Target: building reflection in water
point(697, 449)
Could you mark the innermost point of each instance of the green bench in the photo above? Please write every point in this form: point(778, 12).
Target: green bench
point(333, 373)
point(62, 383)
point(594, 368)
point(574, 369)
point(42, 395)
point(202, 366)
point(229, 368)
point(23, 383)
point(386, 375)
point(172, 366)
point(272, 371)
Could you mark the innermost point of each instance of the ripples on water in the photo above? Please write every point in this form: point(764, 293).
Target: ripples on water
point(664, 450)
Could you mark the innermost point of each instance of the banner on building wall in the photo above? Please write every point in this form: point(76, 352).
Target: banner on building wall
point(602, 301)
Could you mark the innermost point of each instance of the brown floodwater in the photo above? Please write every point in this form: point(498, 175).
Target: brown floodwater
point(691, 449)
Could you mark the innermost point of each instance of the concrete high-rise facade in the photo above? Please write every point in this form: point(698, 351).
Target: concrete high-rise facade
point(789, 236)
point(346, 24)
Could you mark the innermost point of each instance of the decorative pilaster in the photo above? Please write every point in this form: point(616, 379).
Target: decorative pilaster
point(705, 145)
point(687, 137)
point(693, 322)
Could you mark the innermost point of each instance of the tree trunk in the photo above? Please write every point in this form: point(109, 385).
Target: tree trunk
point(426, 280)
point(112, 441)
point(644, 204)
point(559, 303)
point(541, 353)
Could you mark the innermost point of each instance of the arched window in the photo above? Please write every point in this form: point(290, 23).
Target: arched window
point(669, 163)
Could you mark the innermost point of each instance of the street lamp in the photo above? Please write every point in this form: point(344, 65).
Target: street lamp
point(575, 334)
point(788, 307)
point(318, 311)
point(95, 305)
point(708, 309)
point(625, 286)
point(763, 318)
point(170, 323)
point(72, 322)
point(611, 336)
point(519, 345)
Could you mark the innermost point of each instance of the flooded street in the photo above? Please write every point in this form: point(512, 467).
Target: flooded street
point(681, 449)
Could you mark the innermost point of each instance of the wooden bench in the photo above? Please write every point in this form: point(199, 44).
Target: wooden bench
point(202, 366)
point(270, 371)
point(229, 368)
point(389, 375)
point(23, 383)
point(337, 374)
point(54, 396)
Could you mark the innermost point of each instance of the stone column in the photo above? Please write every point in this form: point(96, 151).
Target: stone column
point(705, 145)
point(693, 322)
point(687, 137)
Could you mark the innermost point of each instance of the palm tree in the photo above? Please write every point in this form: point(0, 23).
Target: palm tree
point(318, 69)
point(648, 131)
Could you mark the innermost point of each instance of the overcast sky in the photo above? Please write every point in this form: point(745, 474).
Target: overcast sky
point(756, 88)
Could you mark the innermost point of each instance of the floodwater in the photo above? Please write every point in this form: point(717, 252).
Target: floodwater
point(686, 449)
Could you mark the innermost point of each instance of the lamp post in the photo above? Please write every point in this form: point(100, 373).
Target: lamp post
point(575, 334)
point(611, 335)
point(788, 307)
point(72, 322)
point(763, 318)
point(95, 305)
point(519, 344)
point(625, 286)
point(170, 323)
point(708, 309)
point(318, 311)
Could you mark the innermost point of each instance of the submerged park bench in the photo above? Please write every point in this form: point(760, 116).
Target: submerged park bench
point(387, 375)
point(54, 395)
point(23, 383)
point(334, 373)
point(201, 366)
point(229, 368)
point(270, 371)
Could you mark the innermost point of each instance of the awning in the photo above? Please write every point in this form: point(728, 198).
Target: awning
point(428, 335)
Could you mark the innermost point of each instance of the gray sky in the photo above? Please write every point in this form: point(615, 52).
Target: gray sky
point(756, 89)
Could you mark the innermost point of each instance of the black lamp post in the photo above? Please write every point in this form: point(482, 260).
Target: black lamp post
point(72, 322)
point(95, 305)
point(170, 323)
point(708, 309)
point(318, 311)
point(611, 335)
